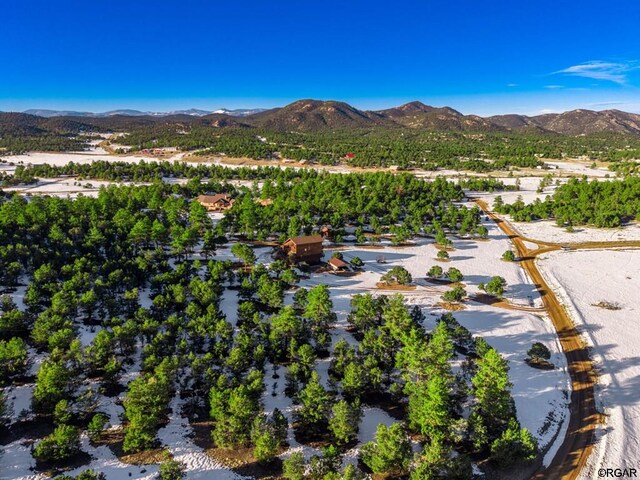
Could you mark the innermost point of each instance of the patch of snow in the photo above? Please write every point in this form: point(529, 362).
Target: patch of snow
point(371, 418)
point(584, 278)
point(16, 462)
point(198, 464)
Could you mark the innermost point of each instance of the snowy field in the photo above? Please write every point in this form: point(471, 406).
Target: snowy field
point(548, 231)
point(62, 158)
point(65, 187)
point(584, 278)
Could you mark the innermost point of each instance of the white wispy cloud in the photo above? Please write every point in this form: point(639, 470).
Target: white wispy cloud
point(554, 87)
point(615, 72)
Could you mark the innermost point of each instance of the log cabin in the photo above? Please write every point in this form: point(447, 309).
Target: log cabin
point(303, 249)
point(216, 203)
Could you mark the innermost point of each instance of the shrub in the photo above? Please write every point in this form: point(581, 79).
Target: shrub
point(171, 470)
point(456, 294)
point(442, 255)
point(294, 466)
point(435, 272)
point(97, 424)
point(61, 445)
point(539, 351)
point(509, 256)
point(454, 275)
point(496, 286)
point(357, 262)
point(398, 275)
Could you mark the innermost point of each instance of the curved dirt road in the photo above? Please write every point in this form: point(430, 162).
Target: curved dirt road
point(577, 445)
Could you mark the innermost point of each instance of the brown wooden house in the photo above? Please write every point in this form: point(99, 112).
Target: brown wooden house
point(216, 203)
point(304, 249)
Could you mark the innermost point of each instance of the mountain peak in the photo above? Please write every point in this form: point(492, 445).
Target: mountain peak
point(311, 114)
point(415, 106)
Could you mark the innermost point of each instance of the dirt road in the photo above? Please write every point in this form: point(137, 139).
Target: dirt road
point(576, 448)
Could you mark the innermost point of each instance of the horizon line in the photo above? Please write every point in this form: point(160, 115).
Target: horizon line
point(164, 112)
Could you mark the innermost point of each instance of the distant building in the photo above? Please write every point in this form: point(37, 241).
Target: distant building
point(265, 202)
point(337, 265)
point(216, 203)
point(303, 249)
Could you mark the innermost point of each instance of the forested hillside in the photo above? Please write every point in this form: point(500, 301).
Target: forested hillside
point(411, 136)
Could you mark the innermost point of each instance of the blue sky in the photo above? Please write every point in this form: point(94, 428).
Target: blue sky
point(481, 57)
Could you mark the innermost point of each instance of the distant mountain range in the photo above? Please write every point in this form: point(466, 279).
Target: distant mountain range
point(240, 112)
point(315, 115)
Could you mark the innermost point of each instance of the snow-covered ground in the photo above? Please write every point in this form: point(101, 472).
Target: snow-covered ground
point(584, 278)
point(578, 167)
point(104, 461)
point(64, 186)
point(546, 230)
point(176, 436)
point(62, 158)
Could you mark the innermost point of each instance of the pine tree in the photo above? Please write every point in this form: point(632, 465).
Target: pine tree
point(397, 319)
point(244, 252)
point(492, 389)
point(293, 467)
point(442, 255)
point(144, 405)
point(266, 445)
point(439, 352)
point(315, 403)
point(429, 407)
point(435, 271)
point(454, 275)
point(345, 420)
point(319, 311)
point(514, 445)
point(364, 312)
point(354, 381)
point(390, 452)
point(52, 385)
point(61, 445)
point(234, 422)
point(436, 462)
point(62, 412)
point(13, 358)
point(496, 286)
